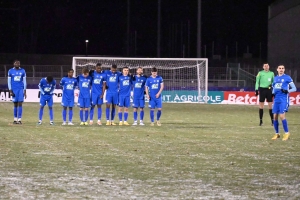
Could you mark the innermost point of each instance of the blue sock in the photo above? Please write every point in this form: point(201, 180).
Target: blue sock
point(276, 126)
point(158, 114)
point(135, 116)
point(92, 113)
point(99, 113)
point(70, 115)
point(125, 116)
point(107, 113)
point(51, 113)
point(86, 116)
point(120, 116)
point(20, 110)
point(113, 113)
point(142, 115)
point(285, 126)
point(41, 113)
point(152, 115)
point(15, 112)
point(81, 115)
point(64, 115)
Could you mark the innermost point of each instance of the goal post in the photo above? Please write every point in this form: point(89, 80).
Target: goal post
point(185, 79)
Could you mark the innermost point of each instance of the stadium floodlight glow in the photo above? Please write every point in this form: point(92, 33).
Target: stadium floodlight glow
point(86, 47)
point(182, 76)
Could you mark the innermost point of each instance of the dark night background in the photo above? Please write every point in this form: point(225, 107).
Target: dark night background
point(61, 27)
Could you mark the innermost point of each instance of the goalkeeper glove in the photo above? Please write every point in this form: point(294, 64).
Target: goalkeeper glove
point(284, 91)
point(256, 92)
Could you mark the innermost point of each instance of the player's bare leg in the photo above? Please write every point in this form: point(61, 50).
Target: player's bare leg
point(261, 112)
point(270, 104)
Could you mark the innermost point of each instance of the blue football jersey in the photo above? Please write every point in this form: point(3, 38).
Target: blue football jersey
point(112, 81)
point(125, 85)
point(97, 82)
point(68, 86)
point(154, 85)
point(84, 85)
point(17, 78)
point(281, 82)
point(47, 88)
point(139, 83)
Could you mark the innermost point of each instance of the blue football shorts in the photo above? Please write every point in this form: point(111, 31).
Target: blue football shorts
point(124, 101)
point(112, 98)
point(280, 107)
point(18, 95)
point(84, 102)
point(96, 100)
point(46, 99)
point(155, 103)
point(138, 103)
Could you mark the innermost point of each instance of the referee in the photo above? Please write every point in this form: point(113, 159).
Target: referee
point(263, 87)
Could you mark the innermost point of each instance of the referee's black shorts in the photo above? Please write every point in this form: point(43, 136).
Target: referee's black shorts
point(265, 93)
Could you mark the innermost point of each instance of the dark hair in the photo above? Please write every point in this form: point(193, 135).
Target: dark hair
point(154, 69)
point(49, 79)
point(85, 70)
point(70, 70)
point(98, 64)
point(114, 66)
point(139, 68)
point(280, 65)
point(16, 61)
point(125, 67)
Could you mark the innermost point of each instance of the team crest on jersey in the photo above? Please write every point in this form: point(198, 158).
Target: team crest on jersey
point(85, 84)
point(282, 80)
point(155, 86)
point(47, 89)
point(126, 82)
point(69, 87)
point(17, 78)
point(112, 79)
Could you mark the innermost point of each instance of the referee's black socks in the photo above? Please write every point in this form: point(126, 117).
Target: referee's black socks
point(261, 113)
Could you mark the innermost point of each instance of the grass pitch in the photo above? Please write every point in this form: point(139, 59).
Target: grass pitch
point(199, 152)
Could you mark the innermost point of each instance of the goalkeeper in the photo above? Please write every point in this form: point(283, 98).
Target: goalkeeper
point(264, 80)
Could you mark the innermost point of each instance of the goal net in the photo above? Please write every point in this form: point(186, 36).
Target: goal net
point(185, 79)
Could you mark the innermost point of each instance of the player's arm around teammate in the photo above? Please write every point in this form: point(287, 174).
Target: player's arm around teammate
point(84, 99)
point(17, 89)
point(264, 80)
point(154, 88)
point(282, 86)
point(98, 88)
point(124, 95)
point(139, 81)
